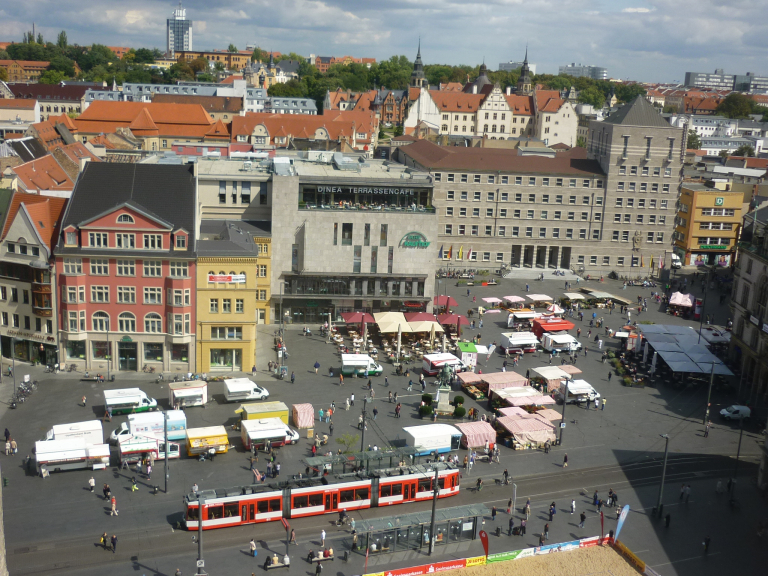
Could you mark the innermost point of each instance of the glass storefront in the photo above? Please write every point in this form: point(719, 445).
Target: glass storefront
point(76, 349)
point(179, 352)
point(153, 352)
point(349, 197)
point(101, 350)
point(226, 359)
point(127, 357)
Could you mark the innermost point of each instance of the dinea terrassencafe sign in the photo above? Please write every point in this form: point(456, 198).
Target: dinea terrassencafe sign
point(414, 240)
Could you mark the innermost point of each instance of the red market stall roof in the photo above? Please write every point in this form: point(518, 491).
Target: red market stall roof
point(476, 434)
point(539, 400)
point(570, 369)
point(512, 411)
point(303, 415)
point(500, 380)
point(542, 325)
point(530, 428)
point(550, 415)
point(469, 377)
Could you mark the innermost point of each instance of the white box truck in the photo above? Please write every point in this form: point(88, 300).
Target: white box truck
point(243, 390)
point(136, 448)
point(359, 364)
point(433, 363)
point(151, 424)
point(91, 432)
point(429, 438)
point(518, 342)
point(128, 401)
point(576, 392)
point(559, 343)
point(274, 430)
point(188, 393)
point(70, 454)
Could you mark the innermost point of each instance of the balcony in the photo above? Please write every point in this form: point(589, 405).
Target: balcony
point(41, 288)
point(42, 311)
point(369, 208)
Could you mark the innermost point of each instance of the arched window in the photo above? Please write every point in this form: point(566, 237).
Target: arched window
point(211, 273)
point(126, 322)
point(125, 219)
point(445, 127)
point(153, 323)
point(485, 127)
point(100, 322)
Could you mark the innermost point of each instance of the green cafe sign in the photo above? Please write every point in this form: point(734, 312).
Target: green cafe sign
point(414, 240)
point(712, 247)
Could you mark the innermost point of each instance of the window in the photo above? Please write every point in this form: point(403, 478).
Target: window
point(620, 186)
point(529, 214)
point(667, 172)
point(489, 230)
point(126, 295)
point(213, 306)
point(596, 234)
point(518, 197)
point(593, 260)
point(489, 212)
point(662, 220)
point(153, 242)
point(100, 322)
point(529, 232)
point(474, 230)
point(505, 197)
point(71, 239)
point(450, 195)
point(450, 178)
point(126, 322)
point(632, 186)
point(438, 177)
point(239, 305)
point(245, 193)
point(491, 196)
point(571, 215)
point(99, 293)
point(585, 215)
point(226, 333)
point(357, 254)
point(449, 229)
point(639, 219)
point(97, 240)
point(531, 198)
point(544, 214)
point(558, 214)
point(620, 261)
point(125, 241)
point(99, 267)
point(518, 180)
point(615, 236)
point(465, 177)
point(178, 269)
point(625, 236)
point(346, 234)
point(390, 259)
point(476, 196)
point(580, 260)
point(545, 181)
point(153, 323)
point(665, 188)
point(627, 218)
point(462, 229)
point(502, 213)
point(542, 232)
point(659, 237)
point(630, 202)
point(486, 256)
point(475, 212)
point(505, 179)
point(153, 268)
point(384, 230)
point(234, 192)
point(531, 181)
point(502, 230)
point(499, 256)
point(73, 266)
point(582, 233)
point(153, 295)
point(181, 242)
point(126, 268)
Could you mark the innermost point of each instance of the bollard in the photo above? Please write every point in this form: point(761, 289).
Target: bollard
point(154, 491)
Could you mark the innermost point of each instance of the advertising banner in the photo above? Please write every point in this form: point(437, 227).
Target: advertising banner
point(629, 555)
point(475, 561)
point(227, 278)
point(428, 568)
point(484, 540)
point(620, 523)
point(589, 542)
point(503, 556)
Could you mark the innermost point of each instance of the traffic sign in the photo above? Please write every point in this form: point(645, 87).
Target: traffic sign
point(562, 424)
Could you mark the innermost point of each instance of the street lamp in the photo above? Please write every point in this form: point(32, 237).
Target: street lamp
point(13, 361)
point(435, 493)
point(736, 466)
point(663, 472)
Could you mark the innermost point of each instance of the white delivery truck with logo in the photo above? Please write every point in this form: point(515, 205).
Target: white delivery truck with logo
point(243, 390)
point(559, 342)
point(152, 424)
point(576, 392)
point(429, 438)
point(518, 342)
point(136, 448)
point(433, 363)
point(70, 454)
point(358, 364)
point(91, 432)
point(128, 401)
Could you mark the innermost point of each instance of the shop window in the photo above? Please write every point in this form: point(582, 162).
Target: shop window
point(346, 234)
point(179, 352)
point(153, 352)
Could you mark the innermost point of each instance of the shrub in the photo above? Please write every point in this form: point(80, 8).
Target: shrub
point(627, 381)
point(458, 400)
point(620, 371)
point(459, 412)
point(427, 399)
point(425, 411)
point(611, 354)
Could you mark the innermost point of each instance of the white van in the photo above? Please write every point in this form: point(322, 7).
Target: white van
point(242, 390)
point(559, 342)
point(576, 392)
point(433, 363)
point(128, 401)
point(358, 364)
point(91, 432)
point(152, 424)
point(676, 263)
point(258, 432)
point(429, 438)
point(518, 342)
point(71, 454)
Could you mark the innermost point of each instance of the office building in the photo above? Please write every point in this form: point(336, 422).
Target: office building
point(178, 32)
point(594, 72)
point(512, 66)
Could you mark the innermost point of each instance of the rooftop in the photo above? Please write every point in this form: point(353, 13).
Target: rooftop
point(231, 238)
point(639, 112)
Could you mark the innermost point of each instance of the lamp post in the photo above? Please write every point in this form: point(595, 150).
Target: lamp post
point(435, 493)
point(709, 391)
point(663, 471)
point(13, 362)
point(736, 466)
point(200, 561)
point(362, 435)
point(562, 421)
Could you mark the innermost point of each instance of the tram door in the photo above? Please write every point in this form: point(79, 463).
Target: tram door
point(409, 491)
point(332, 502)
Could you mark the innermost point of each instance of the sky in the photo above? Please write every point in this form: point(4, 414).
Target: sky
point(645, 40)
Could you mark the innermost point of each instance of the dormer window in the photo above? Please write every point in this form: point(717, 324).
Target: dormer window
point(181, 242)
point(70, 239)
point(125, 219)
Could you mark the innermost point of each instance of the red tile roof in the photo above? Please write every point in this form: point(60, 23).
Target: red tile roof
point(25, 63)
point(13, 208)
point(77, 151)
point(210, 103)
point(520, 105)
point(44, 212)
point(44, 174)
point(17, 103)
point(229, 79)
point(456, 101)
point(548, 100)
point(452, 87)
point(218, 130)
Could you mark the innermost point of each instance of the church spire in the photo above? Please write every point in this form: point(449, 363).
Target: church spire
point(417, 76)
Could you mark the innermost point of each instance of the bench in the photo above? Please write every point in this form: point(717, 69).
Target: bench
point(92, 379)
point(278, 565)
point(322, 558)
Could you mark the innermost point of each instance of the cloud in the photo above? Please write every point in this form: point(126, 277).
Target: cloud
point(636, 10)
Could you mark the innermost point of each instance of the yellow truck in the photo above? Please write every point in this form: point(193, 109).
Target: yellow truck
point(202, 440)
point(262, 410)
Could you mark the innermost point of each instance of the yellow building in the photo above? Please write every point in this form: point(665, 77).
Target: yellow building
point(233, 274)
point(707, 225)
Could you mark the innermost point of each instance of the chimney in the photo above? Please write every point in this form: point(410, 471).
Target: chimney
point(509, 90)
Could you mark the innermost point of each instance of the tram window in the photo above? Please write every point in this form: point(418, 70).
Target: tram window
point(425, 485)
point(192, 514)
point(315, 499)
point(230, 510)
point(300, 501)
point(386, 490)
point(361, 494)
point(441, 483)
point(397, 489)
point(274, 505)
point(215, 512)
point(346, 495)
point(263, 506)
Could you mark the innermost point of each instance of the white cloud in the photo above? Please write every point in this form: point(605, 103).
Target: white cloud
point(636, 10)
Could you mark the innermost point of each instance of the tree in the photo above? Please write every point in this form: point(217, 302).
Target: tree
point(745, 151)
point(592, 95)
point(670, 109)
point(723, 153)
point(259, 55)
point(232, 48)
point(61, 40)
point(52, 77)
point(40, 39)
point(218, 66)
point(292, 88)
point(735, 105)
point(694, 142)
point(398, 130)
point(3, 74)
point(144, 56)
point(349, 441)
point(62, 64)
point(581, 142)
point(199, 65)
point(628, 92)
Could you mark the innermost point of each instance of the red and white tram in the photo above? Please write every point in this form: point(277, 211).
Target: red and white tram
point(298, 498)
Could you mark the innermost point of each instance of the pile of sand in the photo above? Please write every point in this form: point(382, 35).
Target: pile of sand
point(593, 561)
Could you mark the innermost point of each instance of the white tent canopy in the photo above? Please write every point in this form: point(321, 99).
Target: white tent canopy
point(425, 326)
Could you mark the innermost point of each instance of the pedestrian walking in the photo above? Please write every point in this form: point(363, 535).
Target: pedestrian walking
point(551, 513)
point(352, 399)
point(277, 464)
point(600, 344)
point(687, 493)
point(7, 435)
point(113, 541)
point(682, 492)
point(293, 537)
point(509, 506)
point(505, 476)
point(618, 512)
point(706, 429)
point(330, 429)
point(318, 569)
point(610, 497)
point(603, 405)
point(610, 373)
point(375, 413)
point(706, 544)
point(546, 531)
point(583, 518)
point(597, 403)
point(104, 541)
point(511, 525)
point(528, 510)
point(522, 527)
point(595, 498)
point(527, 288)
point(397, 410)
point(293, 377)
point(341, 379)
point(91, 483)
point(322, 539)
point(600, 505)
point(493, 513)
point(252, 547)
point(83, 401)
point(105, 491)
point(149, 471)
point(390, 396)
point(317, 366)
point(114, 507)
point(565, 461)
point(134, 486)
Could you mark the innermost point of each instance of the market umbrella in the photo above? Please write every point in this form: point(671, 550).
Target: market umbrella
point(357, 317)
point(444, 346)
point(419, 317)
point(399, 340)
point(454, 320)
point(555, 309)
point(432, 334)
point(513, 299)
point(442, 301)
point(492, 300)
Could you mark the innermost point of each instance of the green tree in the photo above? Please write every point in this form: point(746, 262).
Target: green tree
point(694, 142)
point(144, 56)
point(52, 77)
point(97, 55)
point(63, 65)
point(61, 40)
point(628, 92)
point(735, 105)
point(745, 151)
point(592, 95)
point(259, 55)
point(723, 153)
point(349, 441)
point(670, 109)
point(3, 74)
point(40, 39)
point(399, 130)
point(292, 88)
point(218, 66)
point(232, 48)
point(581, 142)
point(199, 65)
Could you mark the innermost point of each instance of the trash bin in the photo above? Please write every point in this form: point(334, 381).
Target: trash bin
point(310, 432)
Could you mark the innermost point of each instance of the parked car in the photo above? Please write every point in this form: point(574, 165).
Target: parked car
point(735, 413)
